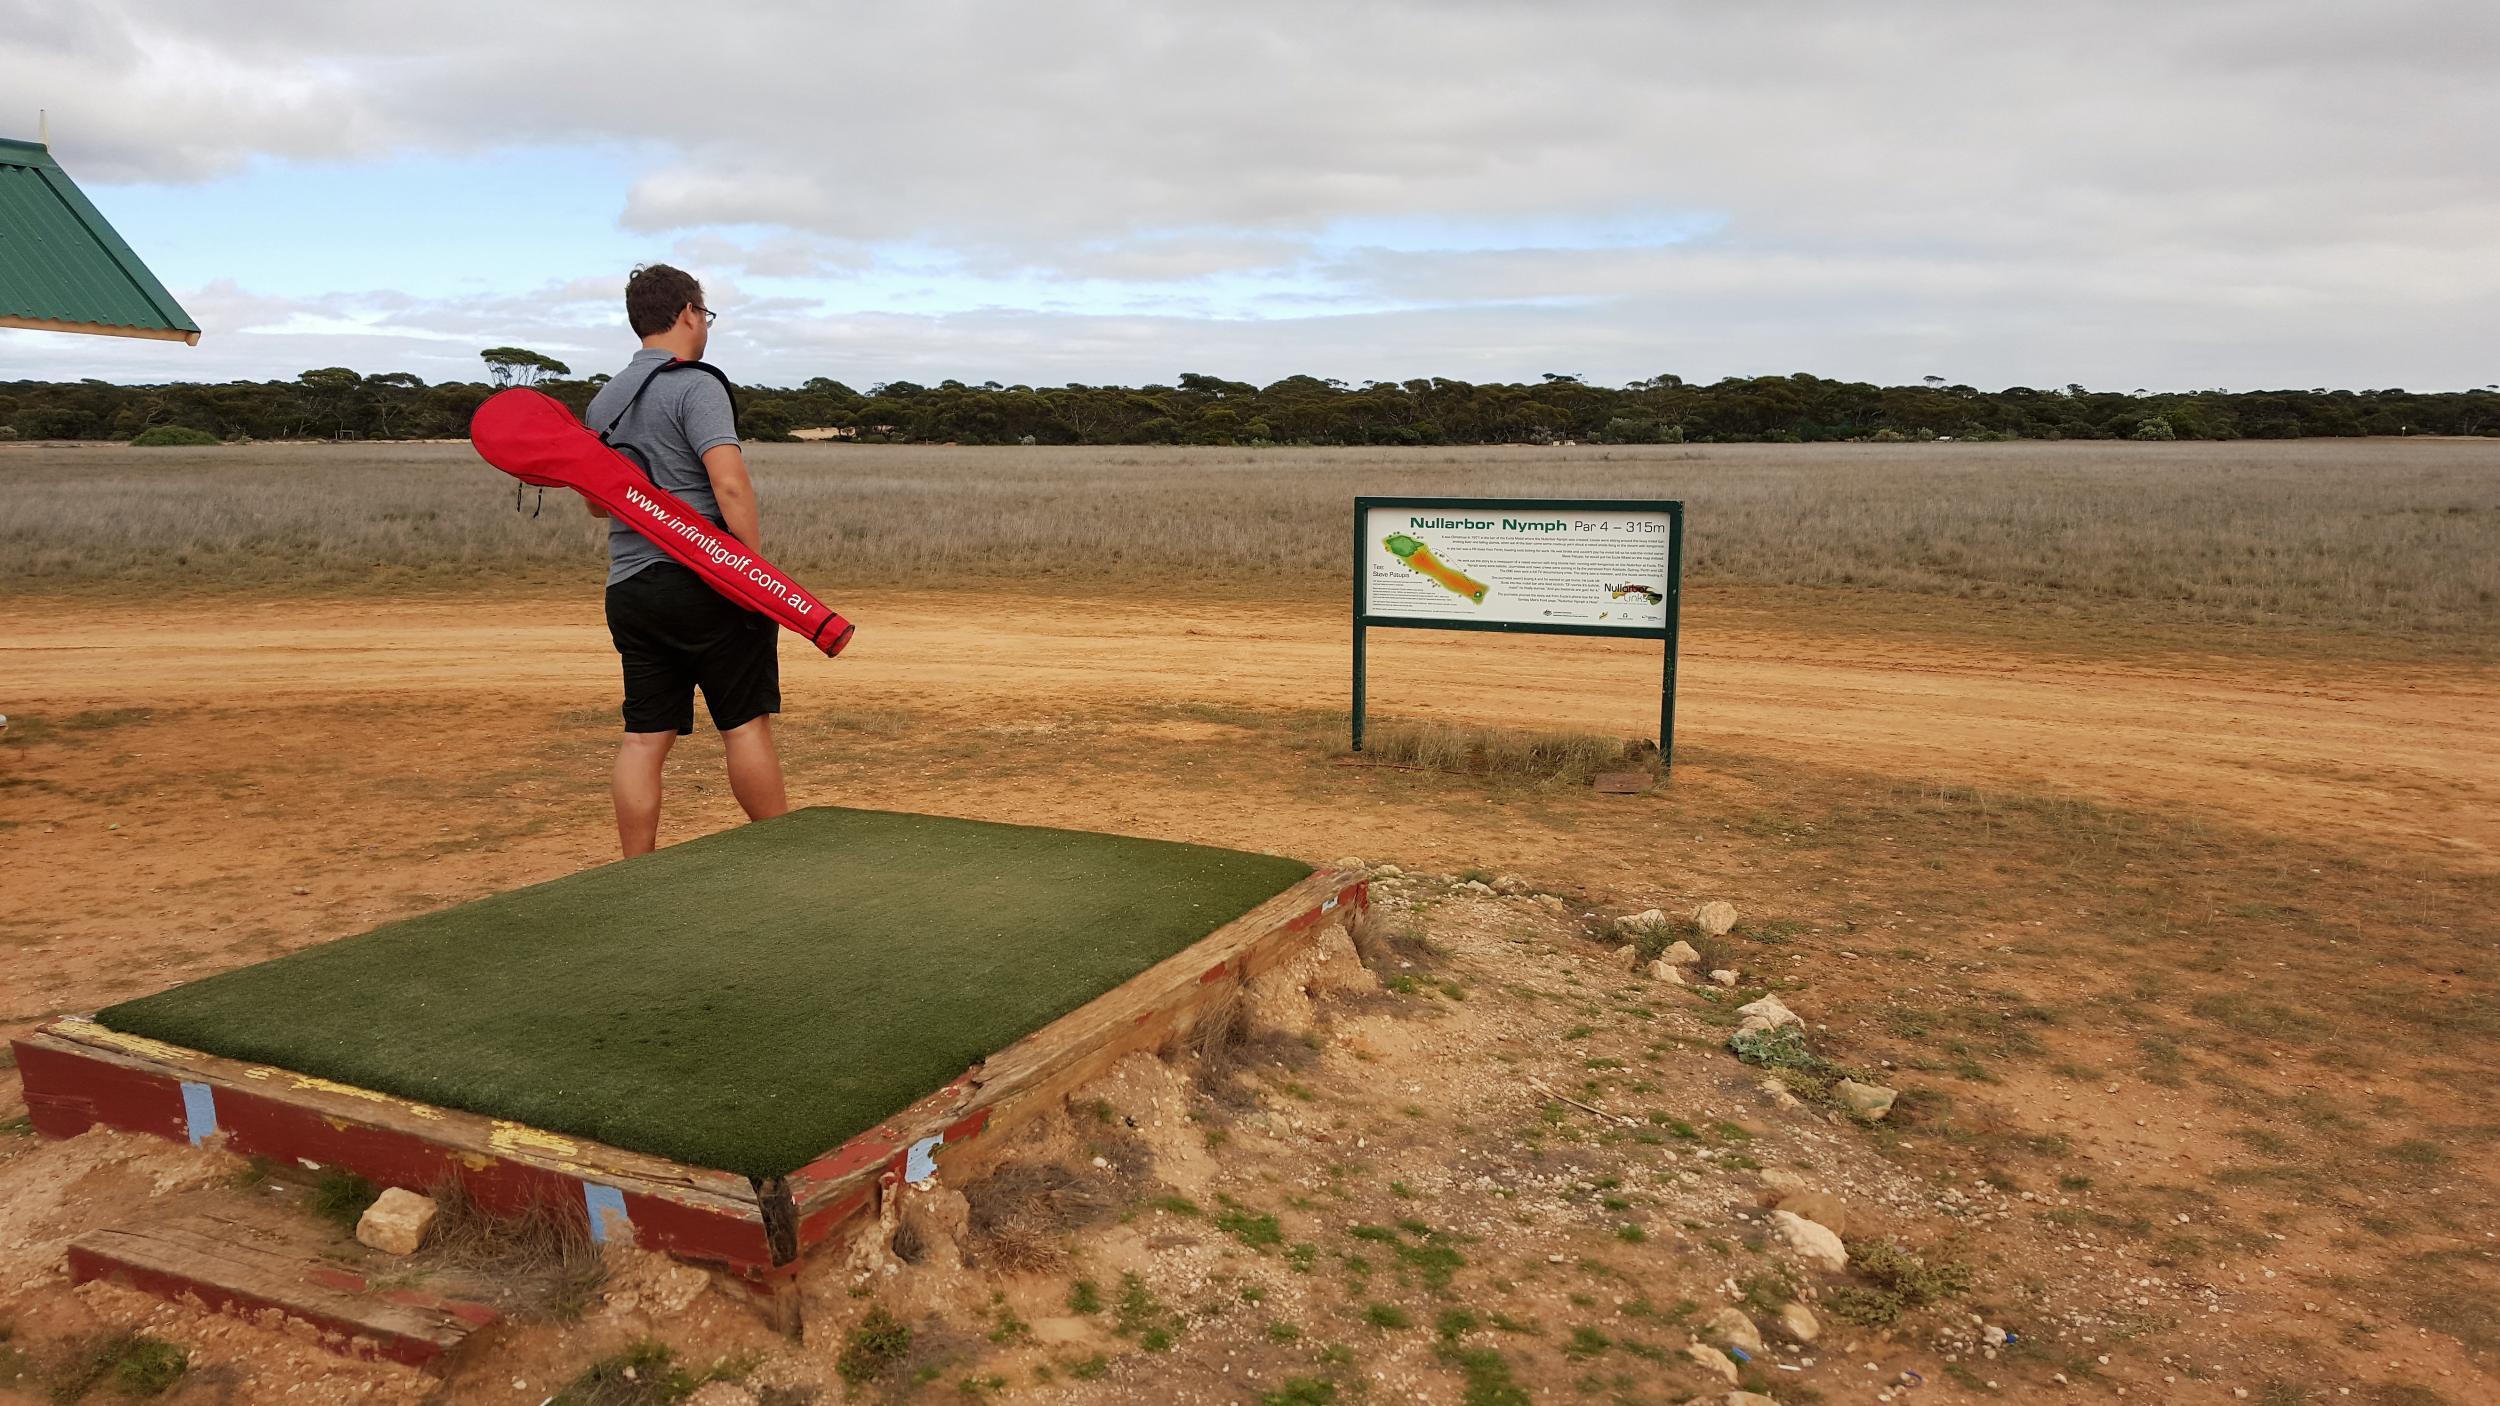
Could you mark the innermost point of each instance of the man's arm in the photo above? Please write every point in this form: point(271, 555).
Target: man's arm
point(710, 424)
point(735, 492)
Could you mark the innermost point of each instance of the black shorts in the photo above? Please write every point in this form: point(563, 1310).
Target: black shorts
point(676, 634)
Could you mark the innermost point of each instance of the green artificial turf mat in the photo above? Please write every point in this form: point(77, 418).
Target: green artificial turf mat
point(745, 1001)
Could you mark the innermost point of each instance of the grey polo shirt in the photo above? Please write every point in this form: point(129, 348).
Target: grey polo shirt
point(682, 415)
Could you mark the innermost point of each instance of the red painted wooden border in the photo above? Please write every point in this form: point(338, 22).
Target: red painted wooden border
point(71, 1085)
point(341, 1335)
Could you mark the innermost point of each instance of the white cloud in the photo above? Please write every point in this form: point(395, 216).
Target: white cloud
point(2243, 185)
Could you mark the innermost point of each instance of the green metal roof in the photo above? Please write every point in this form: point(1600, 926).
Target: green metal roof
point(62, 269)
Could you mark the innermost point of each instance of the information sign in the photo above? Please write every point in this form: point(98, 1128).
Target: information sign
point(1563, 566)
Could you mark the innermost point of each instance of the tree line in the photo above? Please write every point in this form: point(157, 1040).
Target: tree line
point(336, 402)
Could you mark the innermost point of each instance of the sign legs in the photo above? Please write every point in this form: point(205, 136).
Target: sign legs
point(1358, 686)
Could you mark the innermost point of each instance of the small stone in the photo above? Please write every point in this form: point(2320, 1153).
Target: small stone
point(1813, 1242)
point(1509, 884)
point(1389, 871)
point(1626, 952)
point(1715, 917)
point(1729, 1327)
point(1646, 918)
point(1992, 1335)
point(1666, 971)
point(396, 1222)
point(1820, 1207)
point(1798, 1322)
point(1769, 1013)
point(1725, 976)
point(1349, 862)
point(1867, 1101)
point(1679, 952)
point(300, 890)
point(1746, 1398)
point(1779, 1181)
point(1711, 1359)
point(1778, 1094)
point(1478, 887)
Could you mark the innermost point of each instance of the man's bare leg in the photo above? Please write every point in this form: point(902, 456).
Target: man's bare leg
point(755, 768)
point(639, 761)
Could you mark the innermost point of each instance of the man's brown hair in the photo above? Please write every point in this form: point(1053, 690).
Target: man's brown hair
point(655, 294)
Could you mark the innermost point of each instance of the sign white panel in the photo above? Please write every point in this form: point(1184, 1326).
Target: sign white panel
point(1523, 564)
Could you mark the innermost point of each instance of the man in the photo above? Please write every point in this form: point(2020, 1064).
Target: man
point(674, 633)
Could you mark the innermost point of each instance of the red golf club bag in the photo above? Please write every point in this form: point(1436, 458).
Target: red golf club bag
point(534, 438)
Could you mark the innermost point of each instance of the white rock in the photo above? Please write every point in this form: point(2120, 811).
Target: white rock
point(1666, 971)
point(1646, 918)
point(1390, 871)
point(1778, 1094)
point(1779, 1181)
point(1725, 976)
point(1797, 1321)
point(1814, 1242)
point(1626, 952)
point(1746, 1398)
point(1712, 1360)
point(1549, 903)
point(1679, 952)
point(1478, 887)
point(1509, 883)
point(1349, 862)
point(1715, 917)
point(1769, 1013)
point(1868, 1101)
point(396, 1222)
point(1992, 1335)
point(1729, 1327)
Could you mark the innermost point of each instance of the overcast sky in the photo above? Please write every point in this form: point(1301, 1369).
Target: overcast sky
point(2168, 195)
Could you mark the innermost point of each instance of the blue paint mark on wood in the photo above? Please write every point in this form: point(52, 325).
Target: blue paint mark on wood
point(199, 1112)
point(919, 1164)
point(604, 1202)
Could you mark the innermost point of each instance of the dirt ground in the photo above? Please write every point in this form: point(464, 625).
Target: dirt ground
point(2184, 964)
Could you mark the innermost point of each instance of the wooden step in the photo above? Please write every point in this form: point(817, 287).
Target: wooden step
point(246, 1260)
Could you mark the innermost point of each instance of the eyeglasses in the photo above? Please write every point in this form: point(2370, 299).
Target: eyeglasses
point(709, 316)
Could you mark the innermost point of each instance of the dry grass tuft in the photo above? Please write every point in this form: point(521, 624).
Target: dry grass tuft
point(1217, 1038)
point(1553, 758)
point(909, 1243)
point(1021, 1214)
point(543, 1258)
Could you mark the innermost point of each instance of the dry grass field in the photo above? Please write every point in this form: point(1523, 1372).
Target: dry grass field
point(2391, 539)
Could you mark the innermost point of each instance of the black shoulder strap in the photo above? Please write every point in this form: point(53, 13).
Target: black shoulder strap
point(633, 400)
point(715, 373)
point(674, 365)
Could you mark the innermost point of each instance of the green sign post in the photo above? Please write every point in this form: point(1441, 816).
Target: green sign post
point(1548, 566)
